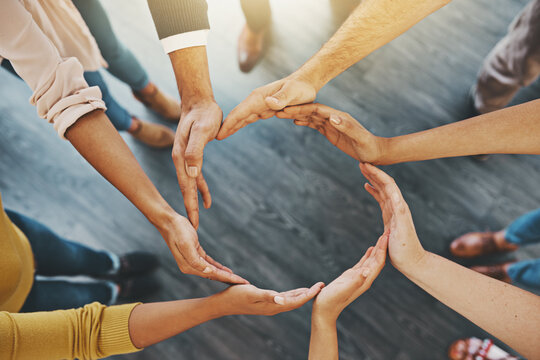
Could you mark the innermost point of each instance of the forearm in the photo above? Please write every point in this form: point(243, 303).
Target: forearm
point(152, 323)
point(323, 344)
point(192, 76)
point(99, 143)
point(507, 312)
point(372, 24)
point(513, 130)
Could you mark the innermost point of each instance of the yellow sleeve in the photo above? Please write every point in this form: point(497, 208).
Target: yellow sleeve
point(92, 332)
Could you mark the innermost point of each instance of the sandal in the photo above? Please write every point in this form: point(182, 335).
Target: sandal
point(475, 349)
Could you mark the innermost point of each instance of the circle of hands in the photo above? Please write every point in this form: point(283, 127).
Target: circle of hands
point(203, 123)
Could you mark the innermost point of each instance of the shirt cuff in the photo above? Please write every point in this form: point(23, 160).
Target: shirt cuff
point(185, 40)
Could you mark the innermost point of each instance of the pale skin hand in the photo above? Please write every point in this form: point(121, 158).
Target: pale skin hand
point(507, 312)
point(263, 103)
point(199, 124)
point(372, 24)
point(335, 297)
point(182, 240)
point(404, 247)
point(340, 128)
point(152, 323)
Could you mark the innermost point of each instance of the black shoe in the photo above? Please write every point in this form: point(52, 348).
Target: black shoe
point(137, 263)
point(136, 289)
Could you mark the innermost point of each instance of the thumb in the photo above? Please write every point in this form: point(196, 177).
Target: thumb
point(194, 153)
point(279, 100)
point(347, 125)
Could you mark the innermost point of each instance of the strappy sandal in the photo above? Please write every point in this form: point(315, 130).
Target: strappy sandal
point(475, 349)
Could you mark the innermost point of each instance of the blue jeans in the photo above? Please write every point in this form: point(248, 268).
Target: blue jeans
point(56, 256)
point(525, 230)
point(118, 115)
point(122, 62)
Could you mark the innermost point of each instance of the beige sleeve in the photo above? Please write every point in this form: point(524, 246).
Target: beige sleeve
point(60, 92)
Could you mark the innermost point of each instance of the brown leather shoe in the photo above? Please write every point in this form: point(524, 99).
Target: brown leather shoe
point(480, 243)
point(251, 46)
point(498, 271)
point(161, 103)
point(154, 135)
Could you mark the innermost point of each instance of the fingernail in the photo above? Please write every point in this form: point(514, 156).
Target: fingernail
point(192, 171)
point(366, 273)
point(279, 300)
point(207, 270)
point(273, 99)
point(335, 119)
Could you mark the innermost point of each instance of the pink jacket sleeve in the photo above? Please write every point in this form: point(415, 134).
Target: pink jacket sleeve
point(60, 93)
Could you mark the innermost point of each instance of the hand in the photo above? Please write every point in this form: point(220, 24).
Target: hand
point(352, 283)
point(181, 238)
point(198, 126)
point(263, 103)
point(404, 247)
point(250, 300)
point(340, 128)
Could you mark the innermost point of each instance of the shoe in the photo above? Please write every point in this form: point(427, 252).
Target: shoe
point(135, 289)
point(474, 348)
point(480, 243)
point(137, 263)
point(497, 271)
point(153, 135)
point(251, 46)
point(161, 103)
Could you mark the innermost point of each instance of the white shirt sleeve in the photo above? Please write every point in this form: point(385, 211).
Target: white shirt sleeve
point(185, 40)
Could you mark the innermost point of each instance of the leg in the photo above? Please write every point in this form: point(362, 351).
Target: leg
point(252, 41)
point(257, 13)
point(525, 229)
point(119, 116)
point(49, 295)
point(512, 64)
point(525, 272)
point(122, 62)
point(57, 256)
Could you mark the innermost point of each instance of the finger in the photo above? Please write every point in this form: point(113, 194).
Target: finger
point(246, 108)
point(298, 299)
point(279, 100)
point(205, 191)
point(373, 192)
point(301, 123)
point(347, 125)
point(364, 258)
point(225, 277)
point(198, 138)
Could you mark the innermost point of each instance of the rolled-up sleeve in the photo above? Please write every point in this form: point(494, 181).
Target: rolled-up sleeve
point(60, 92)
point(180, 23)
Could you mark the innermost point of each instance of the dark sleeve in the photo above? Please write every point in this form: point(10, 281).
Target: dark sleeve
point(173, 17)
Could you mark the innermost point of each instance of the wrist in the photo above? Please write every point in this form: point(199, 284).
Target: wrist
point(383, 146)
point(220, 305)
point(304, 74)
point(414, 268)
point(190, 103)
point(163, 217)
point(323, 320)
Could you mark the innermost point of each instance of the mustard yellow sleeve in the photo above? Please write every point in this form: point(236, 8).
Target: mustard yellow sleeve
point(92, 332)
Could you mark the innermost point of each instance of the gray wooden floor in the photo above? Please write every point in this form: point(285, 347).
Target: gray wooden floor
point(289, 209)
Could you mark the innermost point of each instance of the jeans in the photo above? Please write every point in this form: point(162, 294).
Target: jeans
point(525, 230)
point(118, 115)
point(56, 256)
point(122, 62)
